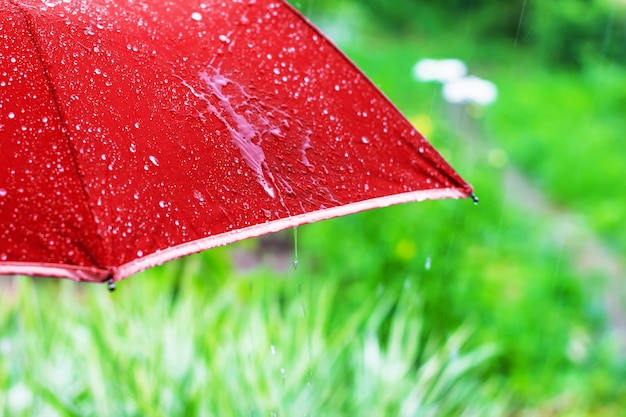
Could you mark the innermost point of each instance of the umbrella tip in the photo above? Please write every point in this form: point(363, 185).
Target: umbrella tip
point(111, 283)
point(474, 198)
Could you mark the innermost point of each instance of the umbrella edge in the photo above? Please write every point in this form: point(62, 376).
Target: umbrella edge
point(196, 246)
point(73, 272)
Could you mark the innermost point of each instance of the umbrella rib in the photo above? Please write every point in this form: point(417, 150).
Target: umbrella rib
point(64, 130)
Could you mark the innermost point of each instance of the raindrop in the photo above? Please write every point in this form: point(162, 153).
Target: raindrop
point(162, 204)
point(137, 125)
point(224, 38)
point(365, 140)
point(11, 115)
point(140, 253)
point(133, 147)
point(154, 160)
point(3, 192)
point(44, 119)
point(136, 196)
point(198, 195)
point(196, 16)
point(97, 71)
point(103, 157)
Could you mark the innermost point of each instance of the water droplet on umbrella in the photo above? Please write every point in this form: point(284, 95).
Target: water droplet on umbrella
point(139, 253)
point(162, 204)
point(198, 195)
point(365, 140)
point(3, 192)
point(133, 147)
point(11, 115)
point(154, 160)
point(196, 16)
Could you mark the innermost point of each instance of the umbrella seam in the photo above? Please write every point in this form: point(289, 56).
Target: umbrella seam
point(64, 130)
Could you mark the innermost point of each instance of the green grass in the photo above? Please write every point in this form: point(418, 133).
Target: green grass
point(163, 345)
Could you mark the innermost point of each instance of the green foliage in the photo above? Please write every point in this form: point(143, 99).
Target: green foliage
point(575, 32)
point(564, 32)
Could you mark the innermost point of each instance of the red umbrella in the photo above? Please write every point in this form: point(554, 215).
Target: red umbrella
point(136, 132)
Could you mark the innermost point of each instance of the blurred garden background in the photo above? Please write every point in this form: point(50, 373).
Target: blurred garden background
point(513, 307)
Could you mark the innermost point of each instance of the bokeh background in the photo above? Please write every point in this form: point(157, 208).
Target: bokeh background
point(513, 307)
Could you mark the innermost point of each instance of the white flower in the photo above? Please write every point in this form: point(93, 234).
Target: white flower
point(470, 90)
point(442, 70)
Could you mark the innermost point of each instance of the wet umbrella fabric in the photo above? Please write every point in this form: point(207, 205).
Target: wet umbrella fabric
point(133, 133)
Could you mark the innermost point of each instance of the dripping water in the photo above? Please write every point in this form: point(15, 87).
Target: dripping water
point(295, 248)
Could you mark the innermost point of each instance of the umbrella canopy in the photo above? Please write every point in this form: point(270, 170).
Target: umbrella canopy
point(136, 132)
